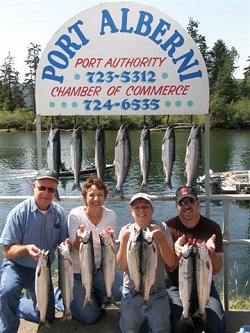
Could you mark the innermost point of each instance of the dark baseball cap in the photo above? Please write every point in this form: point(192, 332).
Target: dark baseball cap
point(47, 173)
point(185, 192)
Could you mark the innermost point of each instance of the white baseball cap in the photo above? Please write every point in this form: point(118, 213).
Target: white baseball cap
point(141, 195)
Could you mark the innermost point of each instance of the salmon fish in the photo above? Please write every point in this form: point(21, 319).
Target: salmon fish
point(108, 264)
point(193, 154)
point(87, 265)
point(122, 159)
point(43, 286)
point(168, 155)
point(145, 157)
point(66, 278)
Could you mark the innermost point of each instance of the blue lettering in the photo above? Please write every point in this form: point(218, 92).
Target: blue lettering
point(64, 42)
point(176, 40)
point(50, 74)
point(78, 31)
point(159, 30)
point(124, 27)
point(60, 60)
point(144, 21)
point(187, 65)
point(107, 21)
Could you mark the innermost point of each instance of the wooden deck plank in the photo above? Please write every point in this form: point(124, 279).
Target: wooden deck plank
point(109, 323)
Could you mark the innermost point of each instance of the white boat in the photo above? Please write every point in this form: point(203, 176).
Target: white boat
point(229, 182)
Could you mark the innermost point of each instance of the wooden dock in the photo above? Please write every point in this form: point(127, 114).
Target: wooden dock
point(109, 323)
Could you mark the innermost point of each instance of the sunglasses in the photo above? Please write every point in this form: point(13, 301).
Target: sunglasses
point(188, 203)
point(44, 188)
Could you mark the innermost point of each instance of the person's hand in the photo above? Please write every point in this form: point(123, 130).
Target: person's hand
point(79, 231)
point(108, 231)
point(211, 243)
point(157, 233)
point(125, 233)
point(178, 245)
point(67, 243)
point(34, 251)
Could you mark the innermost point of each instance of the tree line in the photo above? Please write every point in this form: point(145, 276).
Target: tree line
point(229, 102)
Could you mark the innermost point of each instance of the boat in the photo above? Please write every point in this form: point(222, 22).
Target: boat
point(229, 182)
point(88, 170)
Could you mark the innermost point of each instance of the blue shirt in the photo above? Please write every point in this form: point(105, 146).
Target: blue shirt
point(27, 225)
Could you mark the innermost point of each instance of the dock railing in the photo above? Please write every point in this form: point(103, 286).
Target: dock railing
point(225, 200)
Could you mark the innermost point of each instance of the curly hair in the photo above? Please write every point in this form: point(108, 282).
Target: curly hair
point(94, 180)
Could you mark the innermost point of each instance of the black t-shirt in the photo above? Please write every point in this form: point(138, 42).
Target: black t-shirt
point(204, 229)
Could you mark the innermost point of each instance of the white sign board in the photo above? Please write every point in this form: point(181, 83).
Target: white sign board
point(120, 59)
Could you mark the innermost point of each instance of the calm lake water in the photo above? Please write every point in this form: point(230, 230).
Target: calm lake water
point(229, 150)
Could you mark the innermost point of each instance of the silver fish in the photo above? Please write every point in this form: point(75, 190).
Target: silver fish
point(203, 276)
point(54, 150)
point(193, 154)
point(168, 155)
point(66, 278)
point(134, 247)
point(186, 279)
point(122, 159)
point(108, 264)
point(145, 157)
point(76, 156)
point(149, 261)
point(43, 286)
point(100, 152)
point(87, 265)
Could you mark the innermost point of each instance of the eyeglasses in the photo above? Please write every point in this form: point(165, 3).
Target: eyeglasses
point(188, 203)
point(44, 188)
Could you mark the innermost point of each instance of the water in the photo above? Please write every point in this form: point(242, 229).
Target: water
point(229, 150)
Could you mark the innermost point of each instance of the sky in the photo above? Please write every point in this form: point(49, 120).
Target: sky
point(36, 21)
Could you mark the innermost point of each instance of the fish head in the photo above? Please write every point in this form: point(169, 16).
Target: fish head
point(86, 236)
point(63, 251)
point(187, 250)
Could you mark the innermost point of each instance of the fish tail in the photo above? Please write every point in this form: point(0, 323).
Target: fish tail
point(167, 183)
point(144, 187)
point(76, 186)
point(41, 325)
point(109, 300)
point(187, 320)
point(118, 193)
point(67, 315)
point(88, 301)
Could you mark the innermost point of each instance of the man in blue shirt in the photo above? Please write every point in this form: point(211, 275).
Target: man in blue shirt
point(38, 223)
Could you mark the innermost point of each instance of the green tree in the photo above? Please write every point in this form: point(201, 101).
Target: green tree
point(199, 39)
point(221, 70)
point(30, 77)
point(11, 93)
point(245, 85)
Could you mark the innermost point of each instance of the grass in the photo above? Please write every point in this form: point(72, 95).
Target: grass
point(238, 300)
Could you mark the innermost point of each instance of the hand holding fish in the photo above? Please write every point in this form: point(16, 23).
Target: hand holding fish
point(121, 257)
point(34, 251)
point(67, 243)
point(166, 251)
point(78, 238)
point(108, 231)
point(178, 245)
point(211, 244)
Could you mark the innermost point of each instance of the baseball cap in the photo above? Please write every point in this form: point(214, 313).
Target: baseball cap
point(141, 195)
point(47, 173)
point(185, 192)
